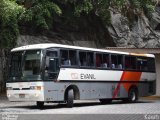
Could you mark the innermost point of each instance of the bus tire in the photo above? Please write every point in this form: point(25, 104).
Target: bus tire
point(132, 95)
point(105, 101)
point(70, 98)
point(40, 104)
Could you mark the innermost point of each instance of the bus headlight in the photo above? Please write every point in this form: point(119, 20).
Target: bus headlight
point(9, 88)
point(8, 95)
point(35, 87)
point(36, 95)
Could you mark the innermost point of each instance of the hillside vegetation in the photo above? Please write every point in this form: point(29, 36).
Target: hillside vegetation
point(34, 17)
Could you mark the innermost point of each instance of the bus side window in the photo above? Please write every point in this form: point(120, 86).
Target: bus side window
point(130, 62)
point(90, 59)
point(86, 59)
point(105, 63)
point(64, 57)
point(117, 61)
point(142, 64)
point(72, 57)
point(102, 60)
point(120, 61)
point(151, 64)
point(68, 57)
point(98, 60)
point(82, 58)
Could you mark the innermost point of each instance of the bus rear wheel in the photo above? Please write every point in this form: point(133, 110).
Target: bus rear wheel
point(132, 95)
point(40, 104)
point(70, 98)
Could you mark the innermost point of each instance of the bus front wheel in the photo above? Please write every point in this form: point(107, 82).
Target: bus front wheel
point(40, 104)
point(70, 98)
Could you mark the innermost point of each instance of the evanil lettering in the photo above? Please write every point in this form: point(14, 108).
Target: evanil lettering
point(87, 76)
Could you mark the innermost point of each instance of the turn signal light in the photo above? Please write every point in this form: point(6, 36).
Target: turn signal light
point(35, 87)
point(38, 87)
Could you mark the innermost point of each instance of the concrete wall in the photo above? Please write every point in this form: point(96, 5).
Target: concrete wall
point(1, 76)
point(3, 69)
point(158, 74)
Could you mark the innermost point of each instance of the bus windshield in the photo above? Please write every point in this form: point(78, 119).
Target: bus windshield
point(25, 65)
point(31, 65)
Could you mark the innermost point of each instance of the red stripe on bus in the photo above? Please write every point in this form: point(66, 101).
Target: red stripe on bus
point(127, 76)
point(118, 86)
point(131, 76)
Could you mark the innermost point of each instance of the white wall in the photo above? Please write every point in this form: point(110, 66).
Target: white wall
point(158, 74)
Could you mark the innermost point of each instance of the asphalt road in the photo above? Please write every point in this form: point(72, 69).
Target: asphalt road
point(90, 110)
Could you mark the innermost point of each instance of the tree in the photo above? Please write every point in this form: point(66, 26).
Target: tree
point(9, 31)
point(39, 13)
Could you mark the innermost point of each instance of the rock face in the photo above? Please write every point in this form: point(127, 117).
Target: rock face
point(87, 32)
point(142, 33)
point(27, 39)
point(90, 40)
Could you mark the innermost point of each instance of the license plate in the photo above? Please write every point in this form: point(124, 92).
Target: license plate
point(21, 95)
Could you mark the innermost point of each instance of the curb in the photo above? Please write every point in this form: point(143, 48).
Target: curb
point(151, 98)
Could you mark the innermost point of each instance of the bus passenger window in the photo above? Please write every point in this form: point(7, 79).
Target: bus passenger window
point(64, 57)
point(151, 64)
point(117, 61)
point(68, 57)
point(90, 59)
point(114, 61)
point(98, 60)
point(86, 59)
point(105, 61)
point(82, 58)
point(72, 57)
point(130, 62)
point(142, 64)
point(102, 60)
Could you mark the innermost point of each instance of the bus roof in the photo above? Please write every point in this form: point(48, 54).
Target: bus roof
point(52, 45)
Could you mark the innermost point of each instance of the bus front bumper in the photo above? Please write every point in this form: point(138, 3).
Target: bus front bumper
point(23, 95)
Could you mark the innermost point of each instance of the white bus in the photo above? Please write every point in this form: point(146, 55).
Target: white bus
point(63, 73)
